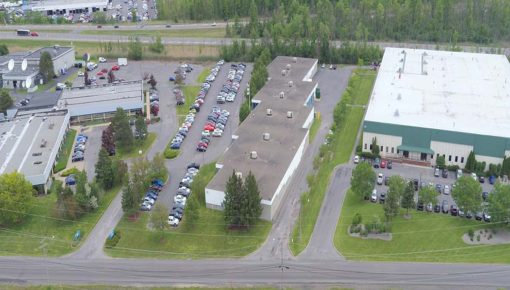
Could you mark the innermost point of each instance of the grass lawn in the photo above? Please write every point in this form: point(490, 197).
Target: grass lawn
point(41, 228)
point(139, 145)
point(186, 242)
point(426, 237)
point(65, 151)
point(338, 152)
point(190, 93)
point(314, 128)
point(191, 33)
point(203, 75)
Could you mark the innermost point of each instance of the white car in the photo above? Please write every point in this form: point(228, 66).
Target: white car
point(356, 159)
point(206, 133)
point(446, 189)
point(180, 199)
point(60, 86)
point(80, 73)
point(373, 197)
point(380, 178)
point(149, 200)
point(102, 59)
point(217, 133)
point(473, 175)
point(173, 221)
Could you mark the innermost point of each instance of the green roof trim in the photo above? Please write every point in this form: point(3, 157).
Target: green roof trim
point(415, 149)
point(417, 137)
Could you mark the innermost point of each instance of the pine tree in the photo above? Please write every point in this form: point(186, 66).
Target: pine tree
point(470, 162)
point(46, 66)
point(81, 190)
point(192, 211)
point(123, 133)
point(104, 170)
point(251, 208)
point(232, 202)
point(408, 197)
point(140, 128)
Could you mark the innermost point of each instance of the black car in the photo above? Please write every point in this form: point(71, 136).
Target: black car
point(416, 184)
point(437, 208)
point(485, 195)
point(478, 216)
point(194, 165)
point(382, 197)
point(180, 102)
point(420, 206)
point(444, 206)
point(439, 188)
point(445, 173)
point(77, 158)
point(201, 148)
point(454, 210)
point(481, 179)
point(469, 215)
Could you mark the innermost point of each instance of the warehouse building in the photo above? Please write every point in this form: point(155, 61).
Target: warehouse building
point(60, 7)
point(30, 144)
point(271, 141)
point(427, 104)
point(100, 102)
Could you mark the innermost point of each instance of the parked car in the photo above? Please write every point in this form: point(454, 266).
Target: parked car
point(436, 172)
point(485, 195)
point(420, 206)
point(479, 216)
point(444, 206)
point(437, 208)
point(486, 217)
point(382, 197)
point(102, 59)
point(389, 165)
point(383, 163)
point(446, 189)
point(429, 207)
point(454, 211)
point(373, 197)
point(173, 221)
point(70, 180)
point(115, 67)
point(459, 173)
point(145, 207)
point(481, 179)
point(380, 178)
point(444, 173)
point(377, 163)
point(356, 159)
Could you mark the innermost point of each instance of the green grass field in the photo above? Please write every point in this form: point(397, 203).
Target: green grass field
point(339, 152)
point(208, 238)
point(190, 92)
point(65, 151)
point(314, 128)
point(41, 229)
point(426, 237)
point(185, 33)
point(139, 145)
point(203, 75)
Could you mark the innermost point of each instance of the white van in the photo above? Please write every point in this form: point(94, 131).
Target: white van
point(459, 173)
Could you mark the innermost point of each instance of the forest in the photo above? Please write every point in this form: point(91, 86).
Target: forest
point(477, 21)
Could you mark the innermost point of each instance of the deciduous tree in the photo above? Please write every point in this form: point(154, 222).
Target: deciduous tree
point(159, 218)
point(16, 198)
point(5, 101)
point(46, 68)
point(396, 189)
point(363, 180)
point(157, 167)
point(467, 194)
point(499, 204)
point(408, 197)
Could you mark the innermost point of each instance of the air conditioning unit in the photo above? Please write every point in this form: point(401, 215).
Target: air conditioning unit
point(294, 59)
point(282, 95)
point(266, 136)
point(253, 154)
point(269, 112)
point(291, 83)
point(289, 114)
point(284, 72)
point(288, 66)
point(239, 174)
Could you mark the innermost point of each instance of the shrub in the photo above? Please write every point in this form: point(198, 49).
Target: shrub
point(478, 238)
point(452, 167)
point(490, 237)
point(69, 171)
point(155, 120)
point(170, 153)
point(110, 243)
point(368, 155)
point(471, 234)
point(357, 219)
point(364, 232)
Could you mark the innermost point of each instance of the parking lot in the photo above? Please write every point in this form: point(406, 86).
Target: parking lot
point(424, 175)
point(145, 10)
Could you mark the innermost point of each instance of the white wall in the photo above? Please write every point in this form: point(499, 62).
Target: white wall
point(488, 160)
point(311, 73)
point(453, 150)
point(64, 61)
point(309, 119)
point(387, 141)
point(214, 198)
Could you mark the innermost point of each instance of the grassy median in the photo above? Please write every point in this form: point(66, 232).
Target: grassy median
point(65, 151)
point(337, 152)
point(140, 145)
point(209, 237)
point(184, 33)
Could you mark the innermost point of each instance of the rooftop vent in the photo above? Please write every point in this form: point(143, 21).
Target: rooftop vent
point(266, 136)
point(282, 95)
point(253, 154)
point(396, 114)
point(284, 72)
point(290, 114)
point(37, 162)
point(291, 83)
point(399, 96)
point(288, 66)
point(43, 143)
point(51, 126)
point(269, 112)
point(239, 174)
point(294, 59)
point(37, 154)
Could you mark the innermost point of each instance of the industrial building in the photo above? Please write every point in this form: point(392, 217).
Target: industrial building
point(60, 7)
point(271, 140)
point(21, 69)
point(101, 102)
point(427, 104)
point(30, 144)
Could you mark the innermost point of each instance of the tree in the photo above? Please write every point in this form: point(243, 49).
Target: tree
point(135, 51)
point(120, 169)
point(133, 14)
point(66, 206)
point(428, 194)
point(152, 82)
point(251, 208)
point(408, 197)
point(122, 131)
point(4, 50)
point(499, 204)
point(130, 199)
point(86, 79)
point(471, 162)
point(99, 17)
point(396, 188)
point(440, 162)
point(15, 193)
point(192, 211)
point(46, 68)
point(467, 194)
point(81, 194)
point(107, 140)
point(140, 179)
point(5, 101)
point(157, 167)
point(157, 46)
point(104, 170)
point(111, 77)
point(140, 128)
point(159, 218)
point(232, 202)
point(363, 180)
point(375, 147)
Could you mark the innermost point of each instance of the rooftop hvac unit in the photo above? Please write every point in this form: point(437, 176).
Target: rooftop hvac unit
point(266, 136)
point(291, 83)
point(284, 72)
point(269, 112)
point(253, 154)
point(43, 143)
point(239, 174)
point(288, 66)
point(282, 95)
point(294, 59)
point(289, 114)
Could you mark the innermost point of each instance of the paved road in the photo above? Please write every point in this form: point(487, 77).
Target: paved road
point(300, 273)
point(122, 26)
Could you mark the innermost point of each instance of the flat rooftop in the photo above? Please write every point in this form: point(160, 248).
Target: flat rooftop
point(65, 4)
point(452, 91)
point(102, 99)
point(286, 134)
point(54, 51)
point(29, 144)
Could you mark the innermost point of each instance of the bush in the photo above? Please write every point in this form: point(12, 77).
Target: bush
point(69, 171)
point(369, 155)
point(155, 120)
point(110, 243)
point(490, 237)
point(478, 238)
point(170, 153)
point(364, 232)
point(452, 167)
point(357, 219)
point(471, 234)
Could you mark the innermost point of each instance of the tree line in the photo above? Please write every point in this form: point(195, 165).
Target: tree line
point(479, 21)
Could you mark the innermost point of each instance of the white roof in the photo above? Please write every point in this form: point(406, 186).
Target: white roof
point(453, 91)
point(66, 4)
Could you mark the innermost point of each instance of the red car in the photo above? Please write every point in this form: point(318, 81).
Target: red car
point(100, 73)
point(383, 163)
point(208, 128)
point(33, 33)
point(202, 144)
point(104, 70)
point(115, 67)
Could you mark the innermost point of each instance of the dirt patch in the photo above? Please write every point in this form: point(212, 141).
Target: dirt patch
point(382, 236)
point(488, 237)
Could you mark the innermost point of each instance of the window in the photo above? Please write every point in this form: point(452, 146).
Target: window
point(456, 158)
point(386, 149)
point(370, 146)
point(461, 159)
point(398, 151)
point(365, 146)
point(449, 158)
point(382, 148)
point(431, 156)
point(392, 150)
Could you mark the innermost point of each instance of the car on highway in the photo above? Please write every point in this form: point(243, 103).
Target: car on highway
point(33, 33)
